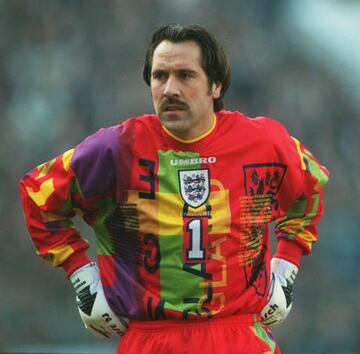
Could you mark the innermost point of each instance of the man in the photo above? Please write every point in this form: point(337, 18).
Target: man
point(180, 201)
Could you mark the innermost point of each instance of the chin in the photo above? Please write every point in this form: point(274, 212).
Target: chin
point(175, 122)
point(174, 126)
point(169, 119)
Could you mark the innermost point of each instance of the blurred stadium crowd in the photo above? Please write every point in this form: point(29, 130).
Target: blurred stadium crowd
point(69, 67)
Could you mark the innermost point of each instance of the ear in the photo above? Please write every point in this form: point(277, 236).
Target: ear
point(216, 90)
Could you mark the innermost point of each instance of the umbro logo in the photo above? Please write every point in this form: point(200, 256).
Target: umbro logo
point(192, 161)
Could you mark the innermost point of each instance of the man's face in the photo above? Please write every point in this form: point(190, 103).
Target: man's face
point(180, 90)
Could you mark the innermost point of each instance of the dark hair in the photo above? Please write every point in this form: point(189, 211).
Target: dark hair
point(214, 61)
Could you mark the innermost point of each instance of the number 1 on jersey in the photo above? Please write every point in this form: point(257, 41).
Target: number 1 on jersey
point(195, 240)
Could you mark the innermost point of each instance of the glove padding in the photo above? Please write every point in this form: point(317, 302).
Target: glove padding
point(280, 298)
point(94, 310)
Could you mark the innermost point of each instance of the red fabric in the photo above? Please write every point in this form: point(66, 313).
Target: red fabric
point(233, 334)
point(290, 251)
point(131, 190)
point(76, 261)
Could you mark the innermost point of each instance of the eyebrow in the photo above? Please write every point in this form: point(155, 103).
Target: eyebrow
point(190, 71)
point(158, 71)
point(186, 70)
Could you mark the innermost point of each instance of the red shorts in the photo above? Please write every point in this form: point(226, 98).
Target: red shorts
point(240, 334)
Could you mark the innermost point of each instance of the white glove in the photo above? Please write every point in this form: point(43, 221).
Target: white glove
point(94, 310)
point(280, 298)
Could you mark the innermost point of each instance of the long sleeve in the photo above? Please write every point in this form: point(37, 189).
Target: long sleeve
point(74, 183)
point(301, 202)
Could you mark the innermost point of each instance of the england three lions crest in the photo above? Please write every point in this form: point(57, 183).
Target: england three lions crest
point(194, 186)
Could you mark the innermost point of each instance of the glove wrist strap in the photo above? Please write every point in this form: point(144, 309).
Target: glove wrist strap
point(285, 269)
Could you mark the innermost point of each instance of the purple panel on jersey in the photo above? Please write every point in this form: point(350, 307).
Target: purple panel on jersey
point(125, 296)
point(93, 162)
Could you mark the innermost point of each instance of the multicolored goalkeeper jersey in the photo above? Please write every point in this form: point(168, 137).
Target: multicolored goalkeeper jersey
point(181, 226)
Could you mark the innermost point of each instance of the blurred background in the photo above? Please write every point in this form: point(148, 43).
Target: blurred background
point(69, 67)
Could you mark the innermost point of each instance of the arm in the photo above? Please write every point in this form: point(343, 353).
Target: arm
point(48, 193)
point(300, 209)
point(75, 182)
point(296, 224)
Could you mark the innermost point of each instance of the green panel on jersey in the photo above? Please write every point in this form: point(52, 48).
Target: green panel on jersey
point(264, 336)
point(169, 163)
point(104, 246)
point(179, 288)
point(316, 171)
point(177, 284)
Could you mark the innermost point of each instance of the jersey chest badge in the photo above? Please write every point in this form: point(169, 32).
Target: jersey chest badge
point(194, 186)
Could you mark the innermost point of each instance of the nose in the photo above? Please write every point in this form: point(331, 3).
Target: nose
point(171, 87)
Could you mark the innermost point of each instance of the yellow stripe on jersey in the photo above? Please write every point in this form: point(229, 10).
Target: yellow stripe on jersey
point(298, 148)
point(40, 197)
point(59, 254)
point(164, 214)
point(147, 211)
point(66, 158)
point(170, 214)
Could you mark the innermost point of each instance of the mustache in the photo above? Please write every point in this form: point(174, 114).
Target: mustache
point(172, 101)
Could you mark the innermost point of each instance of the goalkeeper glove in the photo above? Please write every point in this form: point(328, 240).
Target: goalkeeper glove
point(94, 310)
point(280, 298)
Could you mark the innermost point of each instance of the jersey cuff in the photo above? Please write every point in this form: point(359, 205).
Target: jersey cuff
point(75, 261)
point(290, 251)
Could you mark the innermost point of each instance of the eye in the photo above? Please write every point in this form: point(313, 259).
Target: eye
point(185, 75)
point(158, 75)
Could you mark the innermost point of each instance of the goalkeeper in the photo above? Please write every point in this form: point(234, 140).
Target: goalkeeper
point(180, 203)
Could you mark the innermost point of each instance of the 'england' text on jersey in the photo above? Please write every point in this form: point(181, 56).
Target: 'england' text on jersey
point(193, 161)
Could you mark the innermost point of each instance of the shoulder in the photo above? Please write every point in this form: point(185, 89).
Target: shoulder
point(95, 160)
point(146, 121)
point(261, 126)
point(136, 127)
point(111, 138)
point(102, 140)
